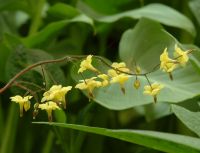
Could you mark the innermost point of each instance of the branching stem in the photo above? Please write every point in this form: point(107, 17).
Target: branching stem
point(72, 58)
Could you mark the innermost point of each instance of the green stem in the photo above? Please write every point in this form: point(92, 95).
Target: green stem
point(10, 130)
point(49, 143)
point(1, 121)
point(36, 16)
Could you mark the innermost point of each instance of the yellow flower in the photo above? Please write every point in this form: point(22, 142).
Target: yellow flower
point(89, 85)
point(112, 73)
point(153, 90)
point(105, 78)
point(23, 102)
point(167, 64)
point(181, 56)
point(87, 65)
point(121, 79)
point(120, 66)
point(49, 106)
point(57, 94)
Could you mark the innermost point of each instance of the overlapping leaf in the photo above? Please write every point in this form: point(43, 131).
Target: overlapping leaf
point(53, 28)
point(190, 119)
point(157, 140)
point(157, 12)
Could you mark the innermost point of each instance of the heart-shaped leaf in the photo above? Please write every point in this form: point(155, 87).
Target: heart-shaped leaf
point(144, 44)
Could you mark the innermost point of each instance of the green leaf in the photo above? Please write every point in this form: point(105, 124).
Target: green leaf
point(190, 119)
point(157, 140)
point(195, 8)
point(145, 48)
point(111, 6)
point(62, 10)
point(7, 23)
point(60, 116)
point(7, 45)
point(52, 29)
point(13, 5)
point(153, 112)
point(144, 45)
point(157, 12)
point(23, 57)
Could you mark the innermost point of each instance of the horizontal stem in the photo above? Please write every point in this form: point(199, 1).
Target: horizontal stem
point(66, 58)
point(71, 58)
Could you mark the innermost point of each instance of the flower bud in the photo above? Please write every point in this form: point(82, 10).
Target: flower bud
point(137, 84)
point(137, 70)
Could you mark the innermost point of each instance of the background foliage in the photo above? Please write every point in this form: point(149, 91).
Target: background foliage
point(118, 30)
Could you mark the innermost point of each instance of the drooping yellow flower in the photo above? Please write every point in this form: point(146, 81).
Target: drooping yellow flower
point(89, 85)
point(49, 106)
point(105, 78)
point(87, 65)
point(121, 79)
point(181, 56)
point(167, 64)
point(57, 94)
point(112, 73)
point(120, 66)
point(153, 90)
point(24, 103)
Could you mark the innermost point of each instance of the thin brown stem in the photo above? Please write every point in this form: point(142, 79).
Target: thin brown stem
point(70, 58)
point(66, 58)
point(128, 73)
point(148, 81)
point(189, 51)
point(43, 76)
point(30, 83)
point(27, 89)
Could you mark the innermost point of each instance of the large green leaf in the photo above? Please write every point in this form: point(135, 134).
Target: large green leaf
point(144, 44)
point(157, 12)
point(157, 140)
point(190, 119)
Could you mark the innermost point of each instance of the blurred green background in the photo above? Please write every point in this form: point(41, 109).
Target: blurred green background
point(36, 30)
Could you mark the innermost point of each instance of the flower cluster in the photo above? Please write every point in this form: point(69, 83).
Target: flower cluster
point(52, 99)
point(119, 73)
point(180, 59)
